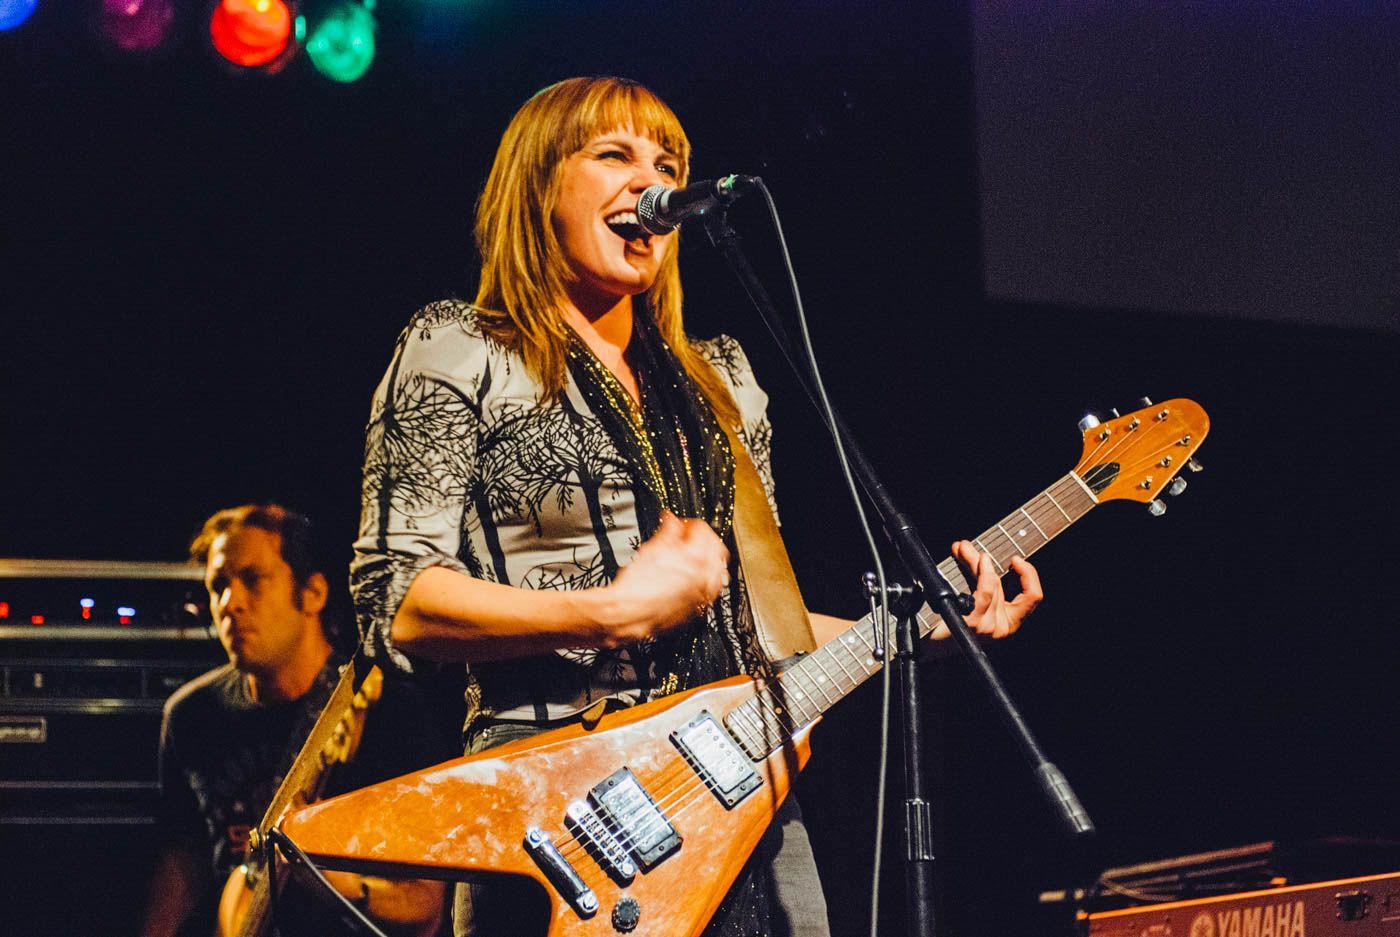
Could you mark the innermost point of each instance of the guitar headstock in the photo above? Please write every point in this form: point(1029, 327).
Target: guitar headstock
point(350, 728)
point(1137, 456)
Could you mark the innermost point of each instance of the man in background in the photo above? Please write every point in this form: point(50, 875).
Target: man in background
point(229, 736)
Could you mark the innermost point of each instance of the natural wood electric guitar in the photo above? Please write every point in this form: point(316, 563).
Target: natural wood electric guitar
point(639, 822)
point(244, 905)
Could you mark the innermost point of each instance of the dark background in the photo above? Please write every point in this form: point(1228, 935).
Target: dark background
point(203, 274)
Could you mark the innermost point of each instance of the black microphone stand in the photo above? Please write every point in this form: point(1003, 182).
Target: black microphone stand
point(903, 602)
point(940, 595)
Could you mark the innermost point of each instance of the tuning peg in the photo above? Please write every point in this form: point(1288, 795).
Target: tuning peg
point(1156, 508)
point(1177, 486)
point(1143, 402)
point(1088, 422)
point(1194, 466)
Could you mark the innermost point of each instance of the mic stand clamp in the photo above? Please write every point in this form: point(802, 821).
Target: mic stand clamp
point(903, 601)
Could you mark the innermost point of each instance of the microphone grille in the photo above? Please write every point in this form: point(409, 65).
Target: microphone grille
point(648, 215)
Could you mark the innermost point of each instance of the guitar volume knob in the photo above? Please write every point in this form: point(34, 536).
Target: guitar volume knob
point(626, 913)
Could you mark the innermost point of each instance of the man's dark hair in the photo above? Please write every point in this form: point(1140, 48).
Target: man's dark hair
point(301, 549)
point(293, 529)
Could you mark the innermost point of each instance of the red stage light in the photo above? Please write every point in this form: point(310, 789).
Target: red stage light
point(250, 32)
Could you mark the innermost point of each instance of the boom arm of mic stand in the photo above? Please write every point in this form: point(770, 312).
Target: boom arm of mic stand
point(905, 537)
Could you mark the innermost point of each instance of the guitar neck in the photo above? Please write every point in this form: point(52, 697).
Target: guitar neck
point(332, 740)
point(822, 678)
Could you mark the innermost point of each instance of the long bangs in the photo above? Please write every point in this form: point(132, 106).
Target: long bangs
point(606, 104)
point(523, 272)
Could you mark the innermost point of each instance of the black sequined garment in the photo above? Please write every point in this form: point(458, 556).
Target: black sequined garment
point(683, 464)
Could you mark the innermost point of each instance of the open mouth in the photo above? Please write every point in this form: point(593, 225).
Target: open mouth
point(624, 224)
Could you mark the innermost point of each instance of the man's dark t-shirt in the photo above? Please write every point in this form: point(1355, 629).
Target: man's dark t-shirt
point(223, 756)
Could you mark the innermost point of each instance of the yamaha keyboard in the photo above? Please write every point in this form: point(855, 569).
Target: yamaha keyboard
point(1349, 907)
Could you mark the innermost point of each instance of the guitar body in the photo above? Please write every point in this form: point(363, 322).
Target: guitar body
point(640, 822)
point(234, 903)
point(469, 818)
point(244, 904)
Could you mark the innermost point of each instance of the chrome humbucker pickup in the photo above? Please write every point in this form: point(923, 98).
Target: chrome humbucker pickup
point(715, 756)
point(634, 818)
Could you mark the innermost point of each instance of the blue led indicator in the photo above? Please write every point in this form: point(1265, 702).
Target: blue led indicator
point(126, 611)
point(86, 603)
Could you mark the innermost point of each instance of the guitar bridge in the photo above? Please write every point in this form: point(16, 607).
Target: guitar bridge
point(595, 835)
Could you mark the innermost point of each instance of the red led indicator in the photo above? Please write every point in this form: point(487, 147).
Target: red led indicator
point(87, 614)
point(36, 619)
point(4, 609)
point(125, 619)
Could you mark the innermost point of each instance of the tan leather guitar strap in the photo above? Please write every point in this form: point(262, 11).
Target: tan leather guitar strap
point(779, 614)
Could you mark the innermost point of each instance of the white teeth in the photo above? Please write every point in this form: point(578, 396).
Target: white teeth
point(622, 217)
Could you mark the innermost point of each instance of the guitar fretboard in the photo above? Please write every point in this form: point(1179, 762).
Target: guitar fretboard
point(812, 685)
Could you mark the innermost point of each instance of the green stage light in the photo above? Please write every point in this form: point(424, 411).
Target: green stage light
point(341, 45)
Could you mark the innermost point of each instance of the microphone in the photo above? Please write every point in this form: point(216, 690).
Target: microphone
point(661, 209)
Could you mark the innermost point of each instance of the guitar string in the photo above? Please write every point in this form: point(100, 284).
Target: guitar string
point(1125, 437)
point(676, 800)
point(1153, 459)
point(1039, 512)
point(667, 798)
point(855, 632)
point(696, 789)
point(1123, 434)
point(667, 795)
point(691, 793)
point(1132, 438)
point(572, 843)
point(673, 805)
point(659, 782)
point(671, 802)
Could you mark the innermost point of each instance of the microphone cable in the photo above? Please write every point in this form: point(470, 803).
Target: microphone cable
point(883, 619)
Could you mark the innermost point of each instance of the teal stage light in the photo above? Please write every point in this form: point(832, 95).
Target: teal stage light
point(341, 44)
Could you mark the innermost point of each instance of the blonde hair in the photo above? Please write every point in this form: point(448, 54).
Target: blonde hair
point(523, 270)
